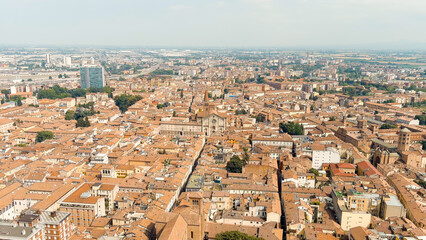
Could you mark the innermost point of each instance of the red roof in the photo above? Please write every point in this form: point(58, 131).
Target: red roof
point(368, 169)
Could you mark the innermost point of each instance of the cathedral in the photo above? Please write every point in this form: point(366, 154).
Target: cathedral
point(206, 121)
point(403, 152)
point(211, 121)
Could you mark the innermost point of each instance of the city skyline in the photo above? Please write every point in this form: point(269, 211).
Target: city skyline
point(213, 119)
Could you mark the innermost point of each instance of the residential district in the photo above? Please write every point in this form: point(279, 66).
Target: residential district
point(212, 144)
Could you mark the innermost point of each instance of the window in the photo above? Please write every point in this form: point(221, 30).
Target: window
point(192, 234)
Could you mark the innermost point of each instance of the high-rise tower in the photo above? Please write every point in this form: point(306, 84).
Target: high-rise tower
point(92, 76)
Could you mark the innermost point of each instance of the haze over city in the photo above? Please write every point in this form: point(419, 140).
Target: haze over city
point(371, 24)
point(213, 120)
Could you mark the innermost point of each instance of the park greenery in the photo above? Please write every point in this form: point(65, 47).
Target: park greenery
point(353, 91)
point(291, 128)
point(124, 101)
point(161, 72)
point(235, 165)
point(81, 114)
point(421, 104)
point(44, 135)
point(235, 235)
point(57, 92)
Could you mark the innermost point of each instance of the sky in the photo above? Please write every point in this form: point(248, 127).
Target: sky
point(215, 23)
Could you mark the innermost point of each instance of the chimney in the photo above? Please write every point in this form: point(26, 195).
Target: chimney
point(53, 214)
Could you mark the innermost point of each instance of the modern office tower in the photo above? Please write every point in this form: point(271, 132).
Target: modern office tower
point(92, 76)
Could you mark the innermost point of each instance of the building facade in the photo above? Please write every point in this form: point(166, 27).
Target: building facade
point(92, 76)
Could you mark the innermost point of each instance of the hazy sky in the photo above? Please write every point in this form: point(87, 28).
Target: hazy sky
point(215, 23)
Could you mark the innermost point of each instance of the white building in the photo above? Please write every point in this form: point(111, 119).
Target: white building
point(299, 179)
point(322, 155)
point(67, 61)
point(5, 125)
point(13, 90)
point(48, 58)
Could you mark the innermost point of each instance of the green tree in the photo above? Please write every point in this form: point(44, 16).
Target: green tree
point(291, 128)
point(240, 112)
point(69, 115)
point(246, 157)
point(82, 122)
point(332, 119)
point(421, 183)
point(259, 118)
point(314, 171)
point(163, 105)
point(54, 93)
point(387, 126)
point(161, 72)
point(78, 92)
point(124, 101)
point(235, 235)
point(424, 145)
point(19, 102)
point(44, 135)
point(421, 118)
point(235, 165)
point(349, 91)
point(389, 101)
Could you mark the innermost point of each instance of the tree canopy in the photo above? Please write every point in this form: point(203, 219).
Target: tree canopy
point(44, 135)
point(69, 115)
point(163, 105)
point(421, 118)
point(240, 112)
point(124, 101)
point(161, 72)
point(235, 235)
point(235, 165)
point(291, 128)
point(314, 171)
point(387, 126)
point(82, 122)
point(57, 92)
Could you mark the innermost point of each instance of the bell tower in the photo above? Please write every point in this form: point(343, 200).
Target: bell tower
point(404, 140)
point(206, 96)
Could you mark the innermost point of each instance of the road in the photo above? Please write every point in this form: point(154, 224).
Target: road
point(142, 72)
